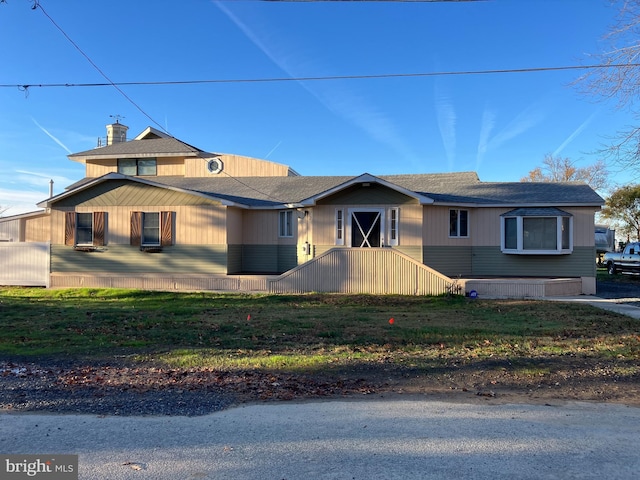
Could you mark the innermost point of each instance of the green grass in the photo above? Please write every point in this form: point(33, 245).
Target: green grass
point(303, 332)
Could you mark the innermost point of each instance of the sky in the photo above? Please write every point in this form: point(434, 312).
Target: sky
point(413, 116)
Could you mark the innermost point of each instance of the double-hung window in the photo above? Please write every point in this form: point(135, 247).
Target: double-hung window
point(151, 228)
point(537, 231)
point(83, 229)
point(137, 166)
point(458, 223)
point(285, 223)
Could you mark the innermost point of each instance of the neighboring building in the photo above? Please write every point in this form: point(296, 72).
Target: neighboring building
point(155, 212)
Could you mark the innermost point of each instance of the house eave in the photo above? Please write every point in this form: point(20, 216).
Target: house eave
point(118, 176)
point(517, 204)
point(365, 178)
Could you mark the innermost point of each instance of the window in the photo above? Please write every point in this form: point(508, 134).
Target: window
point(546, 231)
point(137, 166)
point(285, 223)
point(393, 226)
point(458, 223)
point(339, 227)
point(85, 229)
point(151, 228)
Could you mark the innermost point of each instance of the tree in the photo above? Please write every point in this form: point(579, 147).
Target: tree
point(624, 205)
point(556, 169)
point(617, 77)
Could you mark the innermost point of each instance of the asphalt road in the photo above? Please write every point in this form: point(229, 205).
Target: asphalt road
point(364, 439)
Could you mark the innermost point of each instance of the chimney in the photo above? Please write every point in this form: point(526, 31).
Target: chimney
point(51, 188)
point(116, 133)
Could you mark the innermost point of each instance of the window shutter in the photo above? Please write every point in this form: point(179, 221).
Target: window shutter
point(136, 229)
point(99, 228)
point(70, 228)
point(166, 228)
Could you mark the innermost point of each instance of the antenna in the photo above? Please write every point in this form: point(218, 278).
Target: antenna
point(117, 117)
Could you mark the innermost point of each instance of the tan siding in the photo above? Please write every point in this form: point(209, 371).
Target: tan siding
point(260, 227)
point(236, 166)
point(165, 166)
point(583, 226)
point(234, 225)
point(194, 225)
point(171, 166)
point(37, 229)
point(97, 168)
point(485, 226)
point(436, 228)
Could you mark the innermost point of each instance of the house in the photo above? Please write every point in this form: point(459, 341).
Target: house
point(156, 212)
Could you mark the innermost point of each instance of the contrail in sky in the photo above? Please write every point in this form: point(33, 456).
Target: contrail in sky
point(343, 102)
point(51, 136)
point(488, 122)
point(447, 124)
point(575, 133)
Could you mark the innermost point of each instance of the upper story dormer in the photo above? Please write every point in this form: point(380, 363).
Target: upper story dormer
point(155, 154)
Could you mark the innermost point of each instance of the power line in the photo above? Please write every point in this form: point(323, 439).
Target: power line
point(36, 5)
point(330, 77)
point(111, 83)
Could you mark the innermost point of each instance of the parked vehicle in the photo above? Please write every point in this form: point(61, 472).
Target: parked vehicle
point(627, 261)
point(605, 242)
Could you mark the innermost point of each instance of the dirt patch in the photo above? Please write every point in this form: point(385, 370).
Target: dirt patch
point(122, 388)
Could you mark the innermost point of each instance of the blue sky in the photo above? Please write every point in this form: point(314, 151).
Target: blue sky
point(499, 125)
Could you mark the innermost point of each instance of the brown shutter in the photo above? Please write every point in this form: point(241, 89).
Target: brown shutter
point(99, 228)
point(166, 228)
point(70, 228)
point(136, 228)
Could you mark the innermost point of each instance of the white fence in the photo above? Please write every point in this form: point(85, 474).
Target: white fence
point(25, 263)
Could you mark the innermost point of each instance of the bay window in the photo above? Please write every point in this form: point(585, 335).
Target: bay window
point(531, 231)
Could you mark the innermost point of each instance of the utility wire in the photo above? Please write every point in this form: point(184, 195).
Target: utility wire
point(37, 5)
point(325, 78)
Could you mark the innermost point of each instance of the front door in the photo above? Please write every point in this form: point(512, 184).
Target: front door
point(366, 227)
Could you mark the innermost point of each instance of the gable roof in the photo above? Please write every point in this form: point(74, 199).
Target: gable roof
point(454, 189)
point(148, 147)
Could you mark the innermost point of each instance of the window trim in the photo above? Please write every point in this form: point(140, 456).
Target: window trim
point(520, 216)
point(285, 224)
point(459, 223)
